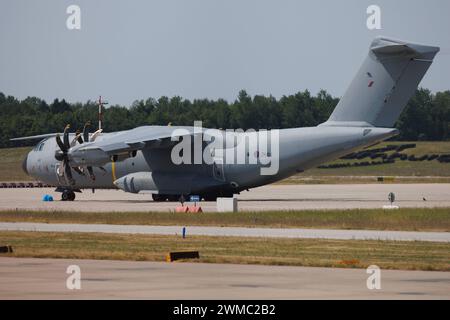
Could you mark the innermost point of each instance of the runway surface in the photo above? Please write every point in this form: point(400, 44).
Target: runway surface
point(272, 197)
point(231, 231)
point(29, 278)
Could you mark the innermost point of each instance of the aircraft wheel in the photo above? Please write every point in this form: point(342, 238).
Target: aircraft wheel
point(158, 197)
point(71, 196)
point(68, 195)
point(173, 198)
point(210, 197)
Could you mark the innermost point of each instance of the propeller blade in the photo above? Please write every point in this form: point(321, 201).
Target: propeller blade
point(96, 134)
point(78, 137)
point(77, 170)
point(91, 172)
point(66, 137)
point(60, 144)
point(68, 173)
point(86, 131)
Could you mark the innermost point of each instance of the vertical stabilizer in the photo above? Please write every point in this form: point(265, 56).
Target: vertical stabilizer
point(384, 84)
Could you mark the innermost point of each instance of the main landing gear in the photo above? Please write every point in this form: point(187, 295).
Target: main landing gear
point(166, 197)
point(159, 197)
point(176, 198)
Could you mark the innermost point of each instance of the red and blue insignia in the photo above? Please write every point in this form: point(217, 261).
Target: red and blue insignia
point(371, 82)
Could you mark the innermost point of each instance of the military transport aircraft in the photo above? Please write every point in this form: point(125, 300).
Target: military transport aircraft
point(141, 159)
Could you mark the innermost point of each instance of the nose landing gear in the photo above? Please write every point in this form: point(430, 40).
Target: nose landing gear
point(68, 195)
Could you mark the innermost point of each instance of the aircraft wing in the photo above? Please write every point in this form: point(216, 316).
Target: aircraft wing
point(40, 136)
point(142, 137)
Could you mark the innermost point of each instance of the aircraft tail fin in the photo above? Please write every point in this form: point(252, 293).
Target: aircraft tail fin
point(384, 84)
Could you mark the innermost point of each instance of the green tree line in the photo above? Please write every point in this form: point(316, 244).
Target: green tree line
point(427, 116)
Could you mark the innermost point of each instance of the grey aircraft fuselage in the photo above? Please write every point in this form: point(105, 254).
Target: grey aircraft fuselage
point(300, 149)
point(139, 160)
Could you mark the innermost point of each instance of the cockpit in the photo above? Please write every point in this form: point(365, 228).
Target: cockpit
point(40, 145)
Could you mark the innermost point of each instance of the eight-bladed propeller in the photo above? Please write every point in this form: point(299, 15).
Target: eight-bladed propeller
point(86, 139)
point(62, 156)
point(64, 146)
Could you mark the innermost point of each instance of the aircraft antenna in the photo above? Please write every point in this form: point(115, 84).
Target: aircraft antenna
point(100, 103)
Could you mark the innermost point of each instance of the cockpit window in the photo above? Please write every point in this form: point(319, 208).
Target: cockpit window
point(40, 146)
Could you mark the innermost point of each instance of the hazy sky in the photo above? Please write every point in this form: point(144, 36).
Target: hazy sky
point(128, 50)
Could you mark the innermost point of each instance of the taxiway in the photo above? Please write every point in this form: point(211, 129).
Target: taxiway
point(29, 278)
point(272, 197)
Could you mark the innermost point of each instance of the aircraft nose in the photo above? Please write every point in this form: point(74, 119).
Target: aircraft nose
point(24, 165)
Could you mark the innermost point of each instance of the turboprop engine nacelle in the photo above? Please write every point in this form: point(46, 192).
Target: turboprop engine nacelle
point(96, 156)
point(88, 156)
